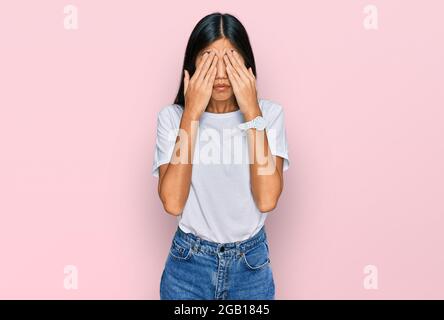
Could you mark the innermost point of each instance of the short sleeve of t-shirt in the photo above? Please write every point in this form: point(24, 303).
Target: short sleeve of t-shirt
point(167, 131)
point(276, 132)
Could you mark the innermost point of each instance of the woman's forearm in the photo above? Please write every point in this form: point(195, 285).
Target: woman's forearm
point(266, 179)
point(174, 185)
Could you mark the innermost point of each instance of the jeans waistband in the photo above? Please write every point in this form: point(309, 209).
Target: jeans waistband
point(197, 242)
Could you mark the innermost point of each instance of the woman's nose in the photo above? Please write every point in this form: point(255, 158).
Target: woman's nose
point(221, 67)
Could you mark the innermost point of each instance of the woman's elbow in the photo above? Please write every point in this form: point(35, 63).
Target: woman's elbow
point(170, 205)
point(268, 201)
point(172, 209)
point(267, 206)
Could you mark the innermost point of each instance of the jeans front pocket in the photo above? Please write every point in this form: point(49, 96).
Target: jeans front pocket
point(180, 250)
point(257, 257)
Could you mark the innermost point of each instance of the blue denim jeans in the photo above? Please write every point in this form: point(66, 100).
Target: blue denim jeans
point(198, 269)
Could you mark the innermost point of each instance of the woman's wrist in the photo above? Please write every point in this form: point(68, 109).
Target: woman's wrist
point(190, 114)
point(252, 113)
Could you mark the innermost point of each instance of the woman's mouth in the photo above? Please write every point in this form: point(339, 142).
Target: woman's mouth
point(221, 87)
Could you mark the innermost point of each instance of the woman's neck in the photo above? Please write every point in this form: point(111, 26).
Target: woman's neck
point(216, 106)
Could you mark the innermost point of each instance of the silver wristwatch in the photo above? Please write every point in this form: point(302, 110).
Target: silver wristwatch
point(258, 123)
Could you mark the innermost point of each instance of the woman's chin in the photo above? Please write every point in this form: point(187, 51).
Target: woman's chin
point(221, 95)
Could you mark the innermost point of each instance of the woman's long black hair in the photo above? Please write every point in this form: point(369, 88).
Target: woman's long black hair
point(209, 29)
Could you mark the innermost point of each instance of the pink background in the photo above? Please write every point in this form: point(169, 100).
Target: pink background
point(364, 115)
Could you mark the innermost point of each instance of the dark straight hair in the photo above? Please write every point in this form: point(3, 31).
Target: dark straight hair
point(210, 28)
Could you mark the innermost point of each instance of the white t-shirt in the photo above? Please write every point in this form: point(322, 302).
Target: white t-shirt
point(220, 205)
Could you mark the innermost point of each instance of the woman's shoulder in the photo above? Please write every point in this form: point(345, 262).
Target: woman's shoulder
point(172, 112)
point(270, 108)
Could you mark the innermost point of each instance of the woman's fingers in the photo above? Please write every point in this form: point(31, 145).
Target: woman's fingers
point(210, 81)
point(232, 73)
point(212, 70)
point(251, 72)
point(238, 65)
point(233, 76)
point(201, 63)
point(206, 66)
point(186, 80)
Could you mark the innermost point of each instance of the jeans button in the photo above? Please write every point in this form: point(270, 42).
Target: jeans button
point(222, 249)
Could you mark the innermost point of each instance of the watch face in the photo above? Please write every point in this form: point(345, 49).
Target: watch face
point(259, 123)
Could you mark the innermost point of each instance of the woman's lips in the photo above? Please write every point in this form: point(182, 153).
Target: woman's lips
point(221, 87)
